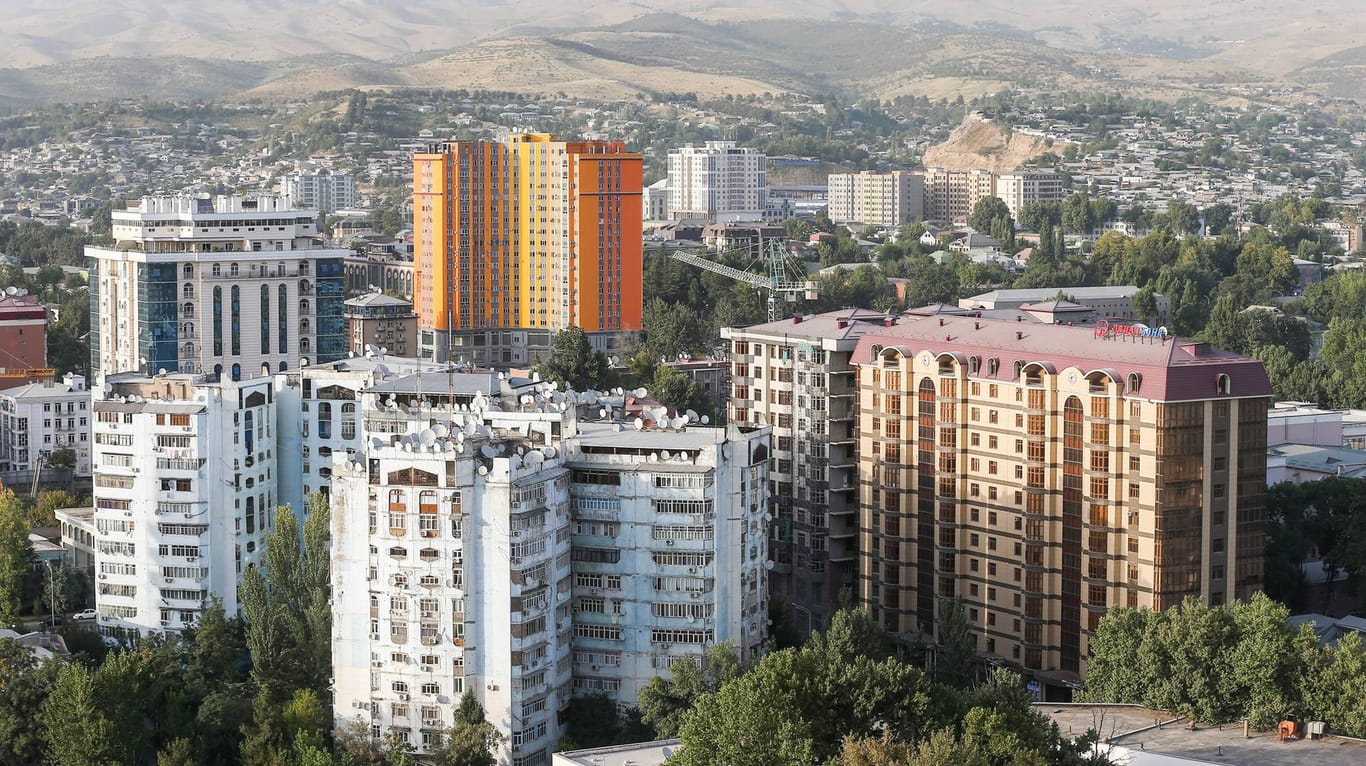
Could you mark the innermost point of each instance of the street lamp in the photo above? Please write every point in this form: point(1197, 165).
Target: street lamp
point(52, 593)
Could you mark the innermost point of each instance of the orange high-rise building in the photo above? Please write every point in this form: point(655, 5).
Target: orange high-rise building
point(516, 240)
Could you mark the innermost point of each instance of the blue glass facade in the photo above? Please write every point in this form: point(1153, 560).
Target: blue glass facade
point(158, 331)
point(331, 307)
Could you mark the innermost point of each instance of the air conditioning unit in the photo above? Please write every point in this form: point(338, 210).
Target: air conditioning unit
point(104, 577)
point(168, 579)
point(692, 570)
point(668, 542)
point(697, 594)
point(186, 429)
point(376, 663)
point(191, 558)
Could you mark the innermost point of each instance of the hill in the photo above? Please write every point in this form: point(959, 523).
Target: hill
point(609, 48)
point(981, 144)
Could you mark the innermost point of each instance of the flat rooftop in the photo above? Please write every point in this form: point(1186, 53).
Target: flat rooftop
point(1136, 740)
point(605, 434)
point(640, 754)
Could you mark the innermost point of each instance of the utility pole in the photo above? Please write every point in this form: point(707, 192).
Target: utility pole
point(52, 594)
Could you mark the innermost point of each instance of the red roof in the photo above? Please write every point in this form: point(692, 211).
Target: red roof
point(1169, 369)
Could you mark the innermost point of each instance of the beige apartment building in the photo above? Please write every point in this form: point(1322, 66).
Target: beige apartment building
point(877, 199)
point(951, 194)
point(1045, 474)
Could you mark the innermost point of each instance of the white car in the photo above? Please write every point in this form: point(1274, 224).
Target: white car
point(85, 614)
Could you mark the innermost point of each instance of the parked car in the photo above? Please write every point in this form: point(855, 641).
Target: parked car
point(85, 614)
point(54, 620)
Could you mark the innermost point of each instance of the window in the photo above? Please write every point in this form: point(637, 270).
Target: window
point(1223, 384)
point(265, 319)
point(236, 327)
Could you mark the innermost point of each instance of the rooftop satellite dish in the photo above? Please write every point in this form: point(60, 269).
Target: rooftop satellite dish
point(768, 517)
point(638, 423)
point(768, 565)
point(459, 437)
point(520, 450)
point(548, 451)
point(654, 457)
point(383, 350)
point(407, 447)
point(661, 414)
point(641, 393)
point(664, 455)
point(161, 371)
point(441, 430)
point(680, 421)
point(534, 458)
point(428, 436)
point(482, 470)
point(459, 448)
point(706, 419)
point(11, 291)
point(488, 451)
point(691, 416)
point(602, 413)
point(446, 446)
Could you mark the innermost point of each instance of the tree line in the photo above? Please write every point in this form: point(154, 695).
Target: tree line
point(1233, 662)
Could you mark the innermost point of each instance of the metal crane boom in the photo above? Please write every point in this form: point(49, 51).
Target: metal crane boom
point(779, 283)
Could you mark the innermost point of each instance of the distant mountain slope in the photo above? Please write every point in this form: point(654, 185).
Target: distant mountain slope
point(612, 48)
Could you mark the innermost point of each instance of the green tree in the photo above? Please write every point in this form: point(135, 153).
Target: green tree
point(45, 507)
point(987, 212)
point(76, 731)
point(61, 589)
point(1076, 214)
point(16, 556)
point(664, 703)
point(61, 460)
point(955, 659)
point(672, 330)
point(288, 628)
point(572, 361)
point(675, 389)
point(1335, 685)
point(472, 740)
point(179, 752)
point(24, 685)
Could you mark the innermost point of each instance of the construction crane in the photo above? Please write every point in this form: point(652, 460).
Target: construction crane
point(786, 280)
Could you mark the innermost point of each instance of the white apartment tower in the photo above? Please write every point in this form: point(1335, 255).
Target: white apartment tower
point(514, 549)
point(184, 494)
point(324, 192)
point(721, 182)
point(669, 549)
point(234, 286)
point(877, 199)
point(1019, 189)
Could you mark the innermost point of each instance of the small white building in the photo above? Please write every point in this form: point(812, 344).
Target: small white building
point(184, 494)
point(39, 419)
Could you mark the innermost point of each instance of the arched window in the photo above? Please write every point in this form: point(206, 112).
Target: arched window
point(232, 270)
point(187, 291)
point(283, 323)
point(1135, 381)
point(325, 420)
point(993, 365)
point(187, 270)
point(218, 321)
point(265, 319)
point(1224, 384)
point(236, 321)
point(974, 364)
point(1019, 367)
point(237, 372)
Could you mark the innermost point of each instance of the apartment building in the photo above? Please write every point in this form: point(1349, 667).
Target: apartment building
point(1045, 473)
point(184, 493)
point(516, 240)
point(1020, 189)
point(513, 549)
point(23, 339)
point(668, 549)
point(719, 181)
point(325, 192)
point(796, 377)
point(381, 321)
point(40, 418)
point(320, 411)
point(877, 199)
point(233, 286)
point(950, 195)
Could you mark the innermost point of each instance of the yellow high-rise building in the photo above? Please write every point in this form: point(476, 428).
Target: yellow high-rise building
point(518, 239)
